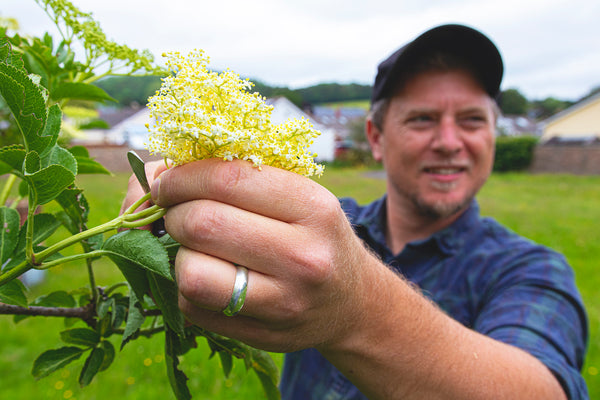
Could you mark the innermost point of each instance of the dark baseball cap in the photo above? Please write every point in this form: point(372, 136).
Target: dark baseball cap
point(464, 42)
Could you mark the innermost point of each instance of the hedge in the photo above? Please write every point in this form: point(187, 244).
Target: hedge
point(514, 153)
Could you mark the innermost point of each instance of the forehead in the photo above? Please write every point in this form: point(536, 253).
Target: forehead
point(452, 87)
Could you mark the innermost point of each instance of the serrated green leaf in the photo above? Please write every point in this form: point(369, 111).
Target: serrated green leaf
point(48, 183)
point(271, 390)
point(44, 226)
point(59, 298)
point(117, 311)
point(138, 249)
point(52, 360)
point(90, 166)
point(109, 354)
point(267, 372)
point(104, 307)
point(52, 127)
point(80, 91)
point(135, 319)
point(13, 293)
point(7, 54)
point(226, 362)
point(170, 245)
point(79, 151)
point(23, 189)
point(11, 159)
point(76, 208)
point(177, 378)
point(80, 336)
point(135, 276)
point(262, 361)
point(91, 367)
point(27, 104)
point(9, 232)
point(60, 156)
point(32, 163)
point(165, 295)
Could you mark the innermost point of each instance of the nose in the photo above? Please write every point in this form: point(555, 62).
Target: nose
point(447, 138)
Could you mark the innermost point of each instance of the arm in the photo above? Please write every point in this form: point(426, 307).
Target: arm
point(313, 284)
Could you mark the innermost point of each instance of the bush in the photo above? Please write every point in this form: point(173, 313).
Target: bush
point(514, 153)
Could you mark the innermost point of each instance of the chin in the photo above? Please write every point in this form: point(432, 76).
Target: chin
point(442, 208)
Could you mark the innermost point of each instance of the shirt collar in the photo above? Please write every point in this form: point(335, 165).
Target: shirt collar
point(373, 219)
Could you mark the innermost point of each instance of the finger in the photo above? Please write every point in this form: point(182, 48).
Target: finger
point(269, 191)
point(207, 283)
point(134, 193)
point(232, 234)
point(271, 318)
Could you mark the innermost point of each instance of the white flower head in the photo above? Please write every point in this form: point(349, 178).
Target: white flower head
point(202, 114)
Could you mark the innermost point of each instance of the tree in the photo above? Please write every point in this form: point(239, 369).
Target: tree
point(37, 79)
point(550, 106)
point(513, 102)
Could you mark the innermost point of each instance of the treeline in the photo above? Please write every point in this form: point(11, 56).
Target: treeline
point(129, 90)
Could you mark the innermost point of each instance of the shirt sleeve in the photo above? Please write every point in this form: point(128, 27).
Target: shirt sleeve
point(533, 304)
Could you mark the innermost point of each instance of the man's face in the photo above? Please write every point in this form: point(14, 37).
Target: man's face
point(437, 143)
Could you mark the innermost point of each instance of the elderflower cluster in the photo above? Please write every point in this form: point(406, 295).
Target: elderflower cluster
point(73, 23)
point(202, 114)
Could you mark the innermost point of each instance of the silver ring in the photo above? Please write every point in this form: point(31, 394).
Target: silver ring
point(238, 296)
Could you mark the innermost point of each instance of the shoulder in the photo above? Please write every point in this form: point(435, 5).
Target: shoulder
point(514, 249)
point(496, 260)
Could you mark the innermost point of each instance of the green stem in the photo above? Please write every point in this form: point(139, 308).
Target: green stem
point(125, 220)
point(82, 256)
point(114, 287)
point(29, 255)
point(8, 185)
point(93, 287)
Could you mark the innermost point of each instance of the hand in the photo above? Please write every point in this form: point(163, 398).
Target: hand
point(302, 255)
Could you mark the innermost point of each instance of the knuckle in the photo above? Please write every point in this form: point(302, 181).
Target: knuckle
point(316, 264)
point(201, 220)
point(229, 176)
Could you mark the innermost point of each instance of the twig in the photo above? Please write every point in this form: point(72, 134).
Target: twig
point(86, 313)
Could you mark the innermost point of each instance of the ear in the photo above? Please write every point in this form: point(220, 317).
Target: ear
point(375, 137)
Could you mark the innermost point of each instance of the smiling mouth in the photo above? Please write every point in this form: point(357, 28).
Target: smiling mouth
point(444, 170)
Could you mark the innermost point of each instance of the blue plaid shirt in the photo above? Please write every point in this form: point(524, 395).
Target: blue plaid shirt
point(484, 276)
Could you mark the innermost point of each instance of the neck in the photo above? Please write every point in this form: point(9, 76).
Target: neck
point(405, 224)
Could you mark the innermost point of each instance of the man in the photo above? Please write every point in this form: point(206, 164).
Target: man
point(411, 297)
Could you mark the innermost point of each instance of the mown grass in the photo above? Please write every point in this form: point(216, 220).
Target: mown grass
point(558, 211)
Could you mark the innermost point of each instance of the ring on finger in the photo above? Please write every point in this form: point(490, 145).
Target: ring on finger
point(238, 296)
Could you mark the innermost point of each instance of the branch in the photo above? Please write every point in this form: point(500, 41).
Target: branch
point(86, 313)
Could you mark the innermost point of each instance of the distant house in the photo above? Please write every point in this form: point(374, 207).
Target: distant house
point(578, 123)
point(132, 132)
point(517, 125)
point(571, 141)
point(324, 145)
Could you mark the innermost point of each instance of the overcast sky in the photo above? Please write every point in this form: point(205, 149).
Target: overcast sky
point(550, 47)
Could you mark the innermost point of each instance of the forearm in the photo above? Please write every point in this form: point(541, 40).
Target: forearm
point(403, 346)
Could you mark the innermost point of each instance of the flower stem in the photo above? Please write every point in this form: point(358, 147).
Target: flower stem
point(126, 220)
point(8, 185)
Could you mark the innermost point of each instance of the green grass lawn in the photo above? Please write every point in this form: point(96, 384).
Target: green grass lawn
point(558, 211)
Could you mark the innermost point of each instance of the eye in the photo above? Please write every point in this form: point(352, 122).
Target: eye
point(420, 121)
point(473, 121)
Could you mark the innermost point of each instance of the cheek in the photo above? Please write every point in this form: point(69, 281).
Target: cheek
point(482, 151)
